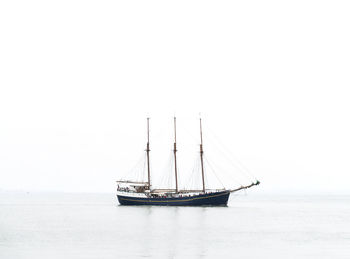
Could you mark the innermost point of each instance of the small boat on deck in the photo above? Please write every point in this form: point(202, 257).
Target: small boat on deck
point(141, 193)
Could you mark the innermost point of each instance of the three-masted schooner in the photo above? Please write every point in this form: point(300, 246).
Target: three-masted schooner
point(141, 193)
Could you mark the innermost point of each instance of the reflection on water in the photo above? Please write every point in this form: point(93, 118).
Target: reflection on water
point(94, 226)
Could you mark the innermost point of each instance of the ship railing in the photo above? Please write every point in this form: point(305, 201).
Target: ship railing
point(135, 182)
point(162, 190)
point(200, 191)
point(132, 194)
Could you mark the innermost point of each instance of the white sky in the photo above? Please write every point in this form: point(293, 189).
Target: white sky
point(78, 79)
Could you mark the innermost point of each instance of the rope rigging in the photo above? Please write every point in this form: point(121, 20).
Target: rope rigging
point(206, 160)
point(230, 157)
point(200, 172)
point(137, 173)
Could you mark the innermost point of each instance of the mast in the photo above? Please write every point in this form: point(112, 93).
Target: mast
point(147, 151)
point(201, 153)
point(177, 189)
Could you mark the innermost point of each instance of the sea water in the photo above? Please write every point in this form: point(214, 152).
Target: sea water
point(39, 225)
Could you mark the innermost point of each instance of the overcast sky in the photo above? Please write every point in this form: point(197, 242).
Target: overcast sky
point(78, 79)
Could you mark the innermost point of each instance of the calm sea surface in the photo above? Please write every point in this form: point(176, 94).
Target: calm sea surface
point(94, 226)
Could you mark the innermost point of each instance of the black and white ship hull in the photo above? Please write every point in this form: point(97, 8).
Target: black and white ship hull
point(204, 199)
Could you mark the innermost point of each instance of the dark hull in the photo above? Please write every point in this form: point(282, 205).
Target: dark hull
point(208, 199)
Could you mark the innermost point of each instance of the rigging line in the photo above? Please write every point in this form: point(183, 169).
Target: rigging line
point(163, 180)
point(190, 179)
point(228, 174)
point(237, 164)
point(166, 180)
point(170, 175)
point(196, 176)
point(193, 138)
point(224, 155)
point(196, 173)
point(238, 178)
point(138, 174)
point(137, 165)
point(212, 169)
point(178, 172)
point(238, 161)
point(144, 168)
point(206, 160)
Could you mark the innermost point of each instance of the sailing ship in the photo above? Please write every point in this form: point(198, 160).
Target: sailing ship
point(141, 192)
